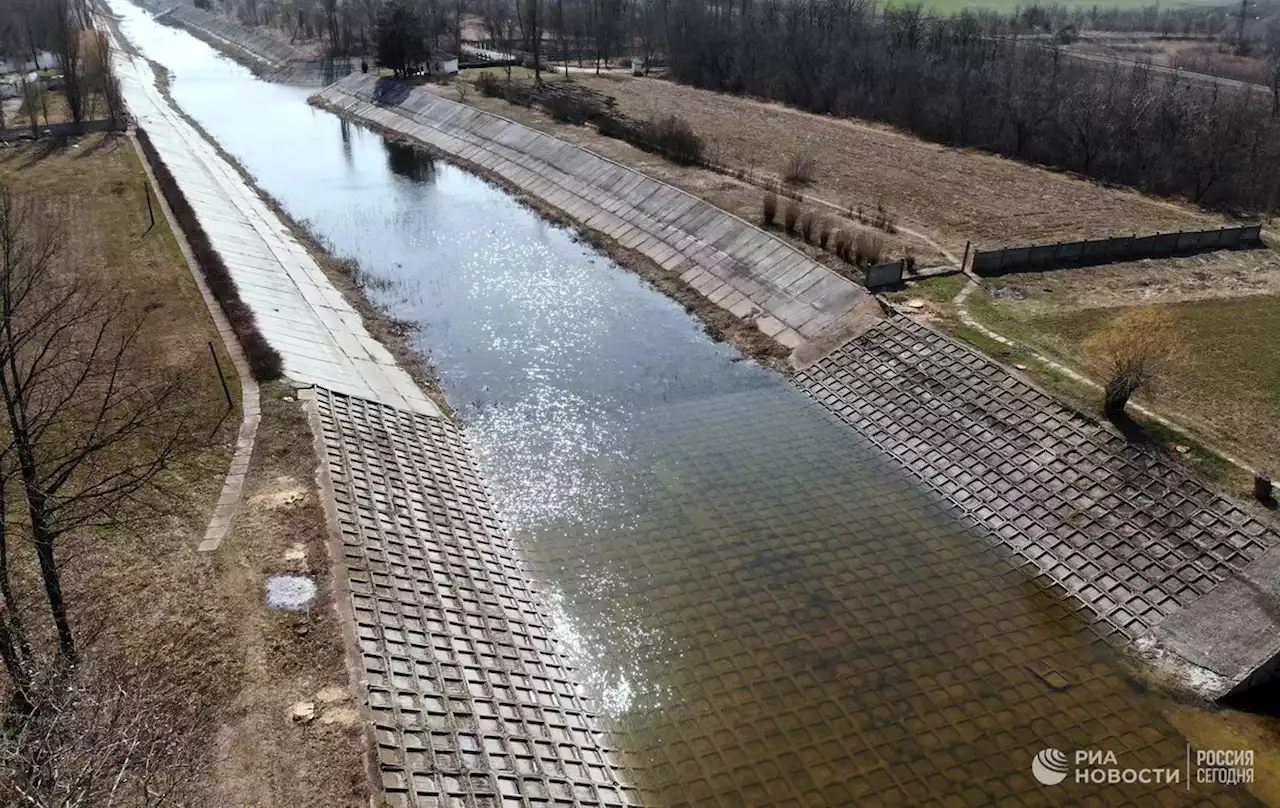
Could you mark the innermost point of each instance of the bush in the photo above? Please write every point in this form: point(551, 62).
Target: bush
point(868, 248)
point(572, 109)
point(790, 216)
point(824, 232)
point(489, 85)
point(264, 361)
point(800, 170)
point(883, 219)
point(841, 245)
point(675, 139)
point(807, 222)
point(909, 262)
point(769, 210)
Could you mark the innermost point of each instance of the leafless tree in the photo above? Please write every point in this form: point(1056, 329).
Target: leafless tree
point(68, 24)
point(93, 423)
point(108, 736)
point(1133, 352)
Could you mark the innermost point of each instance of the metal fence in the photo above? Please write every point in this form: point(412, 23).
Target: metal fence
point(882, 275)
point(988, 263)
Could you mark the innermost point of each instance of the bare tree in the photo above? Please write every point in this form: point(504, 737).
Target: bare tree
point(1133, 352)
point(531, 23)
point(93, 424)
point(68, 24)
point(109, 736)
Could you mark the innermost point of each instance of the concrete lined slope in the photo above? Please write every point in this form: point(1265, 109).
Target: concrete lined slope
point(272, 57)
point(733, 264)
point(1147, 554)
point(319, 335)
point(469, 696)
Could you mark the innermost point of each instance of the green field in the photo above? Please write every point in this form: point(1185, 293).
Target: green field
point(1006, 6)
point(1224, 383)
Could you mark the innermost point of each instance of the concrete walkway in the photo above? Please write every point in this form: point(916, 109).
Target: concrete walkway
point(319, 335)
point(732, 263)
point(233, 484)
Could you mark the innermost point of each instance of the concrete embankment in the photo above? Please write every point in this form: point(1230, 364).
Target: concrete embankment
point(318, 334)
point(1147, 554)
point(268, 56)
point(740, 268)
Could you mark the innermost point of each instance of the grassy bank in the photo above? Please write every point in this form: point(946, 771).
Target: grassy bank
point(142, 599)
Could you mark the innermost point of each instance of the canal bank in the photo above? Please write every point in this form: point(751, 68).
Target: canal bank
point(767, 608)
point(1150, 556)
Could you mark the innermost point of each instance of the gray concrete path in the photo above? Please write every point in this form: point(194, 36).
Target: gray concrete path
point(233, 485)
point(735, 265)
point(320, 336)
point(1150, 556)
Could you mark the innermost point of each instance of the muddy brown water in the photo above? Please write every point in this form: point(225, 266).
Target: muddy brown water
point(768, 610)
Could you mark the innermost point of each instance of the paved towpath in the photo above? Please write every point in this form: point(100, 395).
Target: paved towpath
point(319, 335)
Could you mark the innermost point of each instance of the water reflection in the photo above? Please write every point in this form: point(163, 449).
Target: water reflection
point(406, 161)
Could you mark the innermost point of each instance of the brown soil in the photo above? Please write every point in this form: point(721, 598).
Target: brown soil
point(954, 195)
point(1217, 275)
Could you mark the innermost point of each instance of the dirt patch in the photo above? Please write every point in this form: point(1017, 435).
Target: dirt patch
point(1217, 275)
point(952, 194)
point(264, 757)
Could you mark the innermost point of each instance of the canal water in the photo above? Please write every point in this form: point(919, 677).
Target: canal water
point(768, 610)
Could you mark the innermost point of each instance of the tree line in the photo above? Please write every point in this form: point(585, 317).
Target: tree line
point(945, 80)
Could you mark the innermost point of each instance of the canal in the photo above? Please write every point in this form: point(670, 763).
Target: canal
point(768, 610)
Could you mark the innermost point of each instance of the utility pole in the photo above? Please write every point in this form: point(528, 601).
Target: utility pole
point(1242, 47)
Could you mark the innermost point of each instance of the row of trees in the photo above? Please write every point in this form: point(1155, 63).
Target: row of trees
point(943, 79)
point(64, 28)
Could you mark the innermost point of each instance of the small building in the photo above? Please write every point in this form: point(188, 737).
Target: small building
point(443, 64)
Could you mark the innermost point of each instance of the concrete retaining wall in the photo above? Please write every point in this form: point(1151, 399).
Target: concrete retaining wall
point(273, 58)
point(735, 265)
point(989, 263)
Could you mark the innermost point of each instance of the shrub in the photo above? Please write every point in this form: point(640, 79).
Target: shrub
point(489, 85)
point(841, 245)
point(790, 216)
point(572, 108)
point(909, 262)
point(769, 210)
point(807, 222)
point(674, 138)
point(883, 219)
point(264, 361)
point(867, 248)
point(800, 170)
point(824, 232)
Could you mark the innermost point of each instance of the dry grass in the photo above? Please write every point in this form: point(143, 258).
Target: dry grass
point(953, 194)
point(145, 595)
point(728, 193)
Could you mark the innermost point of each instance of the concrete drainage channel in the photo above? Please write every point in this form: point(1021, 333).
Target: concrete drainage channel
point(1111, 527)
point(470, 702)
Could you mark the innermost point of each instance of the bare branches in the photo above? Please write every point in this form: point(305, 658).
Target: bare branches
point(107, 738)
